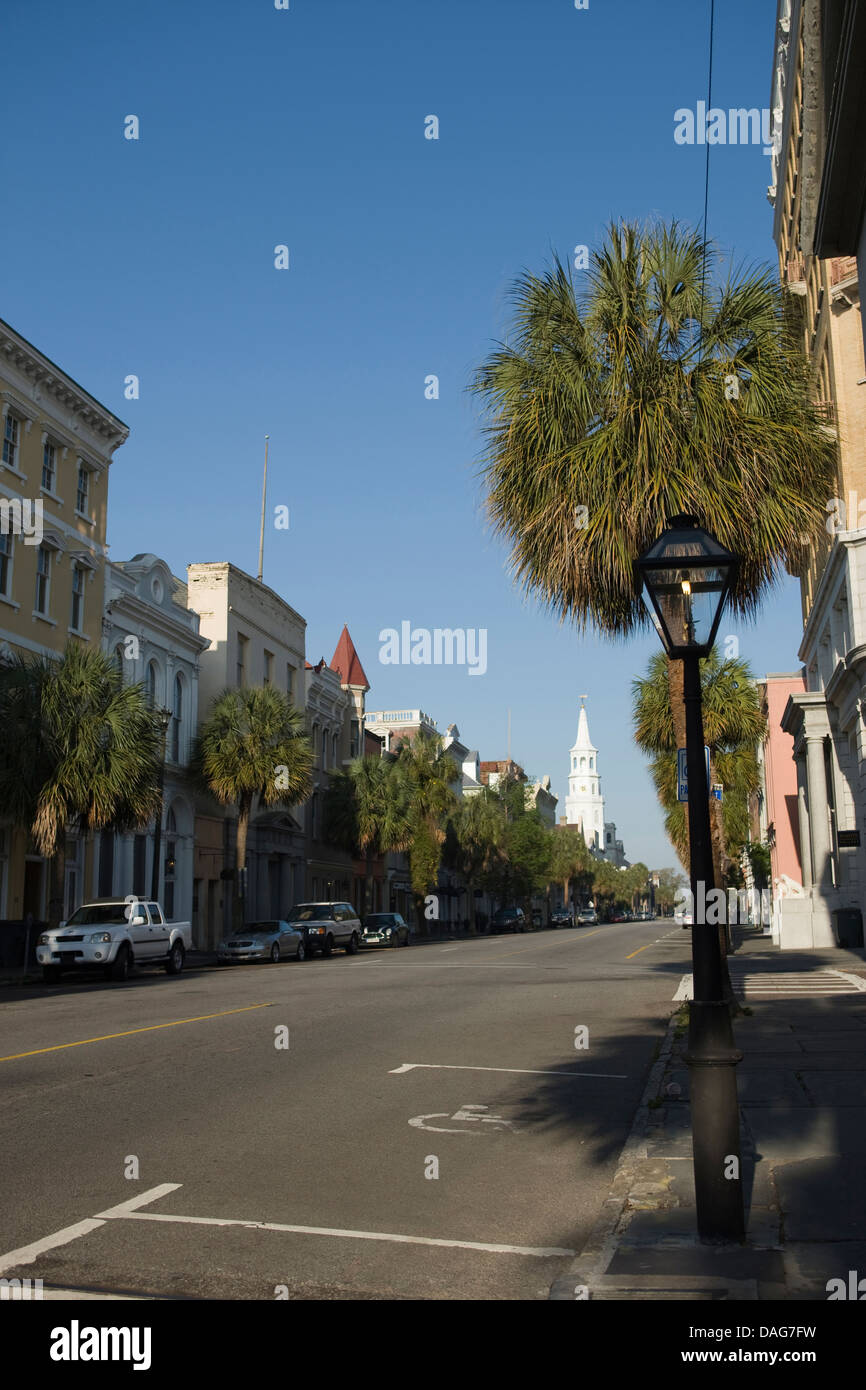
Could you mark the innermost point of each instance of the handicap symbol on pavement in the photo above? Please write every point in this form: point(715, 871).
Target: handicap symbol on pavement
point(476, 1114)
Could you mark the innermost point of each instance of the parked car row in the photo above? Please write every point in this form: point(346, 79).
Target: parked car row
point(114, 935)
point(311, 929)
point(514, 918)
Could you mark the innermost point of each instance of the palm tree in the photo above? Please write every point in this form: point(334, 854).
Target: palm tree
point(654, 392)
point(570, 858)
point(480, 826)
point(252, 746)
point(661, 388)
point(428, 773)
point(366, 808)
point(77, 747)
point(733, 727)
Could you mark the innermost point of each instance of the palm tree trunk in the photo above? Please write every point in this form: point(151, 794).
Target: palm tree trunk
point(421, 926)
point(239, 903)
point(473, 930)
point(56, 882)
point(368, 883)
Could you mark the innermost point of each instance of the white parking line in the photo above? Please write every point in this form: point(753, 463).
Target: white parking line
point(152, 1194)
point(27, 1254)
point(129, 1211)
point(540, 1252)
point(515, 1071)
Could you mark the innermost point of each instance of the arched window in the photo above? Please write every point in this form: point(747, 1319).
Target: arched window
point(335, 748)
point(151, 683)
point(324, 748)
point(315, 743)
point(583, 764)
point(176, 718)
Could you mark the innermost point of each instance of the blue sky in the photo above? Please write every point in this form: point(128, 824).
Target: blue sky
point(305, 127)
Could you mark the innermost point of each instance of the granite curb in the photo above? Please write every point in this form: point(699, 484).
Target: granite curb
point(595, 1257)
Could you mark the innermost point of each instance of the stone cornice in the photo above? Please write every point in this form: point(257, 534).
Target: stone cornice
point(842, 542)
point(147, 615)
point(805, 716)
point(40, 370)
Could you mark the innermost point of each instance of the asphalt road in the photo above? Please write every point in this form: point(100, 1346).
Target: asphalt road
point(430, 1131)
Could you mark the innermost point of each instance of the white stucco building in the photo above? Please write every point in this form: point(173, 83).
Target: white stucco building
point(155, 640)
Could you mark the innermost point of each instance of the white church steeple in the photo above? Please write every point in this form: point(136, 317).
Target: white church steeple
point(584, 805)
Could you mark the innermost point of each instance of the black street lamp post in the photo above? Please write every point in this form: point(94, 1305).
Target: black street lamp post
point(687, 576)
point(164, 717)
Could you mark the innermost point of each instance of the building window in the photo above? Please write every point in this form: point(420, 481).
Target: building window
point(77, 620)
point(82, 493)
point(324, 748)
point(241, 672)
point(269, 668)
point(290, 681)
point(49, 466)
point(6, 566)
point(314, 816)
point(335, 750)
point(11, 441)
point(315, 745)
point(354, 740)
point(176, 717)
point(43, 579)
point(150, 684)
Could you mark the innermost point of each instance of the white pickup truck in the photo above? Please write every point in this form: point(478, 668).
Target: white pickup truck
point(113, 935)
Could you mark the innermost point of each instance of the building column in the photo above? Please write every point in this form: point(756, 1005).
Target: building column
point(818, 820)
point(803, 818)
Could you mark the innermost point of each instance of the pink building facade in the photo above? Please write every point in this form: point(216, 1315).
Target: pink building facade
point(782, 810)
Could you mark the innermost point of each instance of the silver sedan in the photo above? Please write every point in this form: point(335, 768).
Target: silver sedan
point(272, 941)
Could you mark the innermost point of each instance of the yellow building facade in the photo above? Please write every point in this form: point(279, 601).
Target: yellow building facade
point(57, 446)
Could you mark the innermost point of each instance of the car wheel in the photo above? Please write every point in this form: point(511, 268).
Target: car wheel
point(301, 953)
point(120, 967)
point(406, 941)
point(275, 954)
point(176, 958)
point(51, 974)
point(352, 946)
point(328, 947)
point(395, 939)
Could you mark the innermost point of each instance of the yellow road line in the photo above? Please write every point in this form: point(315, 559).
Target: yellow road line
point(639, 949)
point(106, 1037)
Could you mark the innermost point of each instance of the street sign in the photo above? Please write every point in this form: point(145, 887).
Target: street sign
point(682, 774)
point(716, 791)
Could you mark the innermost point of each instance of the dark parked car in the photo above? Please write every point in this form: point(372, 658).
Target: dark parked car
point(385, 929)
point(509, 919)
point(537, 917)
point(562, 917)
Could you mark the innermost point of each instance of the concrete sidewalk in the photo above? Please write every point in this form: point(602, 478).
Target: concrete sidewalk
point(802, 1090)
